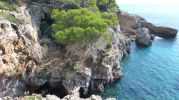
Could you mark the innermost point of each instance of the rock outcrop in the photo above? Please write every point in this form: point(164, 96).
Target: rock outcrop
point(143, 37)
point(129, 23)
point(81, 68)
point(75, 68)
point(53, 97)
point(27, 66)
point(165, 32)
point(18, 46)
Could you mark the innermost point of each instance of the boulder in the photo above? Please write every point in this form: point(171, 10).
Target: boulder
point(143, 37)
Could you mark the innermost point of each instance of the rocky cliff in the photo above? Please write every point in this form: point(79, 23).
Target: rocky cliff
point(19, 47)
point(32, 65)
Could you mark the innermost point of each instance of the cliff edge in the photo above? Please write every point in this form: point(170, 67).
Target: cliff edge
point(30, 64)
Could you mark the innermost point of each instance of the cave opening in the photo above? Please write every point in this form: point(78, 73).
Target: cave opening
point(46, 89)
point(45, 26)
point(82, 93)
point(46, 31)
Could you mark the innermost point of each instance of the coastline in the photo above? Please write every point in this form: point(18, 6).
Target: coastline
point(91, 68)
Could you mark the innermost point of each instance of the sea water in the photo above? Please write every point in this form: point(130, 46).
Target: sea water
point(150, 73)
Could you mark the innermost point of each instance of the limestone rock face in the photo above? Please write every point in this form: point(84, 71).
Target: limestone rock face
point(77, 67)
point(74, 69)
point(143, 37)
point(18, 45)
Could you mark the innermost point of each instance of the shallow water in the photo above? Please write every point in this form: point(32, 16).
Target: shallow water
point(150, 73)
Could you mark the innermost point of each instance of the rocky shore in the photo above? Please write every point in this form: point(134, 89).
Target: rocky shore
point(32, 65)
point(137, 28)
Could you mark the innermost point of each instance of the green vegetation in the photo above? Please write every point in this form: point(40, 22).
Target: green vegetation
point(80, 25)
point(8, 6)
point(22, 59)
point(33, 97)
point(78, 3)
point(111, 18)
point(45, 45)
point(107, 5)
point(8, 17)
point(83, 21)
point(44, 73)
point(70, 71)
point(11, 18)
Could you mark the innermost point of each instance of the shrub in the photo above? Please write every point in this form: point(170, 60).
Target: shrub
point(8, 6)
point(79, 3)
point(12, 19)
point(44, 73)
point(8, 17)
point(79, 25)
point(107, 5)
point(111, 18)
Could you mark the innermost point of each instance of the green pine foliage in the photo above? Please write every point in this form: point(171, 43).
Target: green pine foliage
point(111, 18)
point(79, 25)
point(79, 3)
point(83, 24)
point(107, 5)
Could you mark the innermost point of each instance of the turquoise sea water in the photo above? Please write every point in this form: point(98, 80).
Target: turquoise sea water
point(150, 73)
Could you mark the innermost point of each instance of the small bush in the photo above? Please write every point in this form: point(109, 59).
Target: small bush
point(8, 6)
point(32, 97)
point(8, 17)
point(44, 73)
point(12, 19)
point(79, 3)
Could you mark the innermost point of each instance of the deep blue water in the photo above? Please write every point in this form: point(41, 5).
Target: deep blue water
point(150, 73)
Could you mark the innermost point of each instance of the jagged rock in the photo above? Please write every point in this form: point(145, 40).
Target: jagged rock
point(18, 45)
point(110, 99)
point(160, 31)
point(78, 69)
point(166, 32)
point(74, 97)
point(13, 88)
point(52, 97)
point(129, 23)
point(94, 97)
point(143, 37)
point(100, 88)
point(93, 66)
